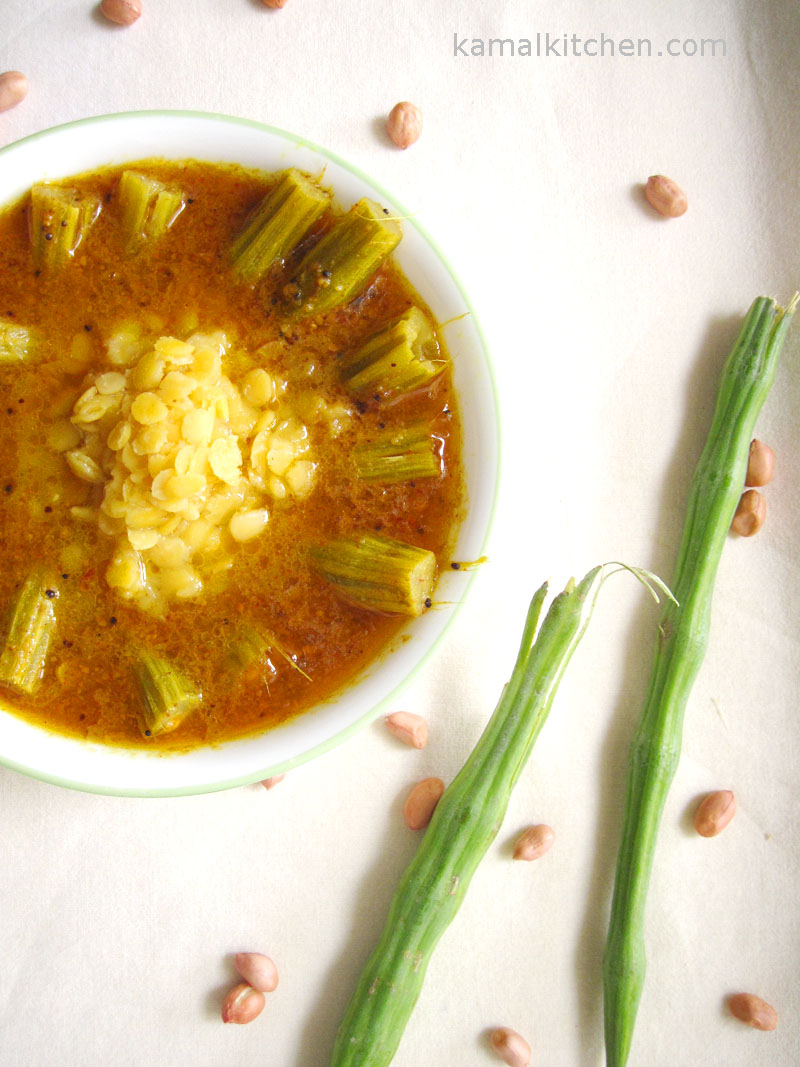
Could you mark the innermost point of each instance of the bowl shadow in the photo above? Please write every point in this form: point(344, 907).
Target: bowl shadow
point(377, 128)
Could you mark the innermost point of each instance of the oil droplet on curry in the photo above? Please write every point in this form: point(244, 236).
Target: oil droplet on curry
point(230, 451)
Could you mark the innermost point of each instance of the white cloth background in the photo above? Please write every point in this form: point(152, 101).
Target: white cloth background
point(608, 327)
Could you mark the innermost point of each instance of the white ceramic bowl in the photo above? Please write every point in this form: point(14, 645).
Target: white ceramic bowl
point(113, 139)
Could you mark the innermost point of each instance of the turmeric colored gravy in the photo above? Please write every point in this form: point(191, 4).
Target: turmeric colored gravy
point(179, 282)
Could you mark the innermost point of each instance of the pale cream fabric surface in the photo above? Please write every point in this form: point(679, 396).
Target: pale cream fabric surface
point(608, 328)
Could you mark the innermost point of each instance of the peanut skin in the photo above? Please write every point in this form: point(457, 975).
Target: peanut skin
point(123, 12)
point(13, 89)
point(534, 842)
point(510, 1046)
point(270, 783)
point(760, 464)
point(404, 124)
point(753, 1011)
point(714, 813)
point(242, 1004)
point(409, 728)
point(421, 802)
point(258, 970)
point(750, 514)
point(665, 196)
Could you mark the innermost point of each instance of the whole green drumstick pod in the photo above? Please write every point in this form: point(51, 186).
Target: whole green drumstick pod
point(714, 493)
point(463, 826)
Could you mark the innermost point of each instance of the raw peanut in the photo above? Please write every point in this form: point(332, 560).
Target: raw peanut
point(760, 463)
point(714, 813)
point(534, 842)
point(13, 89)
point(753, 1011)
point(270, 783)
point(258, 970)
point(750, 514)
point(242, 1004)
point(123, 12)
point(275, 3)
point(665, 196)
point(404, 124)
point(421, 802)
point(409, 728)
point(510, 1046)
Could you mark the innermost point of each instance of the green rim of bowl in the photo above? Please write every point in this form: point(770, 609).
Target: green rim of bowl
point(372, 714)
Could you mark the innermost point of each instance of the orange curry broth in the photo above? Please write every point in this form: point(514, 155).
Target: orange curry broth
point(88, 689)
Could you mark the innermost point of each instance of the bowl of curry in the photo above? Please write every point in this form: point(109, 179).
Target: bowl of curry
point(249, 440)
